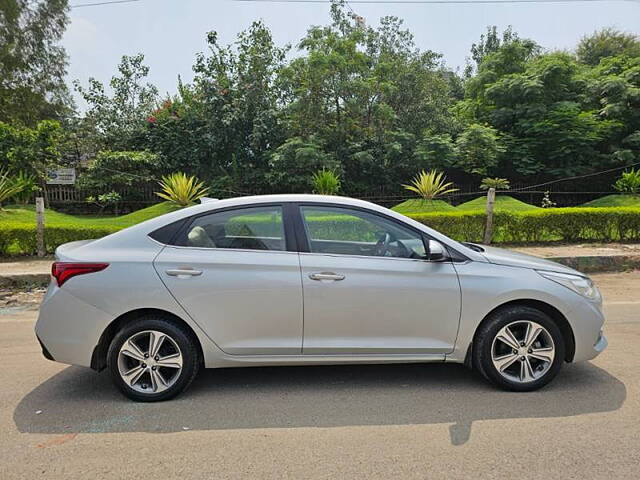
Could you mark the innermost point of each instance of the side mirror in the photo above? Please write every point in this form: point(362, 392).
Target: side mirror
point(436, 252)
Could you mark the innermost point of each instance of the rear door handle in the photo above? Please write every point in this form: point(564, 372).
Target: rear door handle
point(179, 272)
point(326, 276)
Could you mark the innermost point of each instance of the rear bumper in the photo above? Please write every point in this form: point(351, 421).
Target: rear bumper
point(45, 352)
point(68, 329)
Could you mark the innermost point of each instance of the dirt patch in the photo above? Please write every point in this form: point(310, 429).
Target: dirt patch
point(580, 250)
point(25, 265)
point(14, 301)
point(618, 287)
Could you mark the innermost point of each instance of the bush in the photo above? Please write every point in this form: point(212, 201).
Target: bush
point(21, 239)
point(556, 224)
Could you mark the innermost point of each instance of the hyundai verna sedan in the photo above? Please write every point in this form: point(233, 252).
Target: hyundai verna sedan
point(308, 280)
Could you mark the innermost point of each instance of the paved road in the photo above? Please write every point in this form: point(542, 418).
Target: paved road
point(417, 421)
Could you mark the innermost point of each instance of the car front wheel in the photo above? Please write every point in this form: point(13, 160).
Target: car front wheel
point(152, 359)
point(519, 348)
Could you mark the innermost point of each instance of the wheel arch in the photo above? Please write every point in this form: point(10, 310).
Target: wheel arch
point(555, 314)
point(99, 356)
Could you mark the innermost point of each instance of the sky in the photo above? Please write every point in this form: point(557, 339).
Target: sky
point(170, 32)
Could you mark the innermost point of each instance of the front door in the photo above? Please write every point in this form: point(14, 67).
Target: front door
point(368, 288)
point(232, 273)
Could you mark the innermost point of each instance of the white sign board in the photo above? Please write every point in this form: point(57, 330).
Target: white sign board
point(61, 176)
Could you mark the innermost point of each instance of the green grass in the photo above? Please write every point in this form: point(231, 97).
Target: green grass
point(423, 206)
point(17, 214)
point(615, 201)
point(504, 203)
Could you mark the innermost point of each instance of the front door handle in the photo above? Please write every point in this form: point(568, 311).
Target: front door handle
point(179, 272)
point(326, 276)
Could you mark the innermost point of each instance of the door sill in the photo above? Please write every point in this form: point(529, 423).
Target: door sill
point(324, 359)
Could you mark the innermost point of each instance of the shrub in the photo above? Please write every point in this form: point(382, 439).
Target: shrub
point(9, 187)
point(555, 224)
point(28, 186)
point(326, 182)
point(21, 239)
point(430, 185)
point(121, 171)
point(180, 189)
point(495, 183)
point(629, 182)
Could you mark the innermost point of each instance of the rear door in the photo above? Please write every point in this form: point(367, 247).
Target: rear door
point(369, 289)
point(237, 275)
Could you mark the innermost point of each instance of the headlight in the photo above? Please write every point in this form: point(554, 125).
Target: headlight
point(581, 285)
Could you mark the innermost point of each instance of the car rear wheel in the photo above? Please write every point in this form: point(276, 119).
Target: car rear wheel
point(519, 348)
point(152, 359)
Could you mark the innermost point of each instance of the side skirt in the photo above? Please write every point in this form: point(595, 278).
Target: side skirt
point(225, 361)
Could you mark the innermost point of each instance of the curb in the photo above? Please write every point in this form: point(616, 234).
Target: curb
point(25, 280)
point(600, 264)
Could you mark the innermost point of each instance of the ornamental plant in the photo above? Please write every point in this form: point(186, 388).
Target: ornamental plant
point(182, 190)
point(326, 182)
point(629, 182)
point(28, 186)
point(8, 187)
point(430, 185)
point(495, 183)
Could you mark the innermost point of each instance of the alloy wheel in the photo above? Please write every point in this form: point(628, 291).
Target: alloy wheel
point(522, 351)
point(150, 361)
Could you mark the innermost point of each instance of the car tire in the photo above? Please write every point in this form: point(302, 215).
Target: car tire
point(143, 376)
point(519, 349)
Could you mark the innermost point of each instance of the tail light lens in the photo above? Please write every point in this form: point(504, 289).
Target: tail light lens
point(63, 271)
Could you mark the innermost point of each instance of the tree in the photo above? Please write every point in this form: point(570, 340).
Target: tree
point(240, 100)
point(121, 172)
point(489, 43)
point(436, 151)
point(607, 42)
point(293, 162)
point(478, 149)
point(30, 150)
point(367, 94)
point(118, 119)
point(32, 64)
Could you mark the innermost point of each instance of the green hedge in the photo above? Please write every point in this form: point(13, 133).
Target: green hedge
point(557, 224)
point(21, 239)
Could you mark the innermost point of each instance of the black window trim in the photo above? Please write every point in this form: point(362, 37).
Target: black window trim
point(289, 233)
point(295, 234)
point(303, 240)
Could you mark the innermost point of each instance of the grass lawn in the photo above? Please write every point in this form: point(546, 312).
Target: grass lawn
point(18, 214)
point(423, 206)
point(615, 201)
point(503, 203)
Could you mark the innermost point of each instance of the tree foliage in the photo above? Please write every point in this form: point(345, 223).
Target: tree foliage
point(118, 118)
point(32, 64)
point(360, 100)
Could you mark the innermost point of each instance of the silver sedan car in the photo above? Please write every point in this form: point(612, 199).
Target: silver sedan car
point(308, 280)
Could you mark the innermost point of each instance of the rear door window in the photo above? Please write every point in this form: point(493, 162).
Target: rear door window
point(252, 228)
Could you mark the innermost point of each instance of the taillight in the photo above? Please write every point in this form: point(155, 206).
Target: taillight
point(63, 271)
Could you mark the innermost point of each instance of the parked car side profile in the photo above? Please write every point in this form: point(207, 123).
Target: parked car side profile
point(304, 280)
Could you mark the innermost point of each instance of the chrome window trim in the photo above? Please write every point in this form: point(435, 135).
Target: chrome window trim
point(238, 250)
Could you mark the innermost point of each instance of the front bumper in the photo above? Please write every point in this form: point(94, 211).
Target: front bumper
point(586, 321)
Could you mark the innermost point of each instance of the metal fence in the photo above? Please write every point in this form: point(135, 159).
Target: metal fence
point(68, 197)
